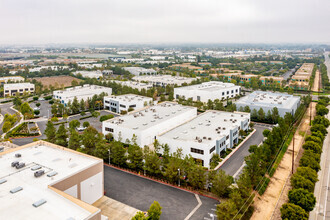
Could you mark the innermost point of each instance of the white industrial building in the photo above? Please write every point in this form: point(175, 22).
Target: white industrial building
point(81, 92)
point(134, 85)
point(148, 123)
point(206, 134)
point(7, 79)
point(89, 74)
point(46, 181)
point(137, 71)
point(164, 80)
point(269, 100)
point(207, 91)
point(126, 102)
point(14, 89)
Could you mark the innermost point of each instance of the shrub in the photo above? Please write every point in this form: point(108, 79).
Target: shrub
point(51, 102)
point(38, 104)
point(310, 159)
point(311, 145)
point(85, 124)
point(293, 212)
point(298, 181)
point(36, 112)
point(48, 97)
point(105, 117)
point(263, 187)
point(35, 139)
point(308, 173)
point(35, 98)
point(303, 198)
point(54, 119)
point(82, 113)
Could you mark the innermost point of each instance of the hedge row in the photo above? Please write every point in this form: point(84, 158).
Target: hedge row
point(301, 198)
point(82, 118)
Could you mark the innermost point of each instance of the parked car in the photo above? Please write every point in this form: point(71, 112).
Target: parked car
point(81, 128)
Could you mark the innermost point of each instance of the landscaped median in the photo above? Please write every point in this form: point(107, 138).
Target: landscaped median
point(24, 130)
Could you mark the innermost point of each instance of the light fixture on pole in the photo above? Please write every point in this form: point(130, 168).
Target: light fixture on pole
point(109, 155)
point(179, 176)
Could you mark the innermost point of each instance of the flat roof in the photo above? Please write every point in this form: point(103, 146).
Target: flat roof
point(51, 158)
point(82, 91)
point(150, 116)
point(269, 99)
point(129, 98)
point(18, 85)
point(164, 79)
point(208, 126)
point(211, 86)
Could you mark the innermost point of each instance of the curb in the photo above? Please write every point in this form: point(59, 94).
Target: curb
point(161, 182)
point(231, 153)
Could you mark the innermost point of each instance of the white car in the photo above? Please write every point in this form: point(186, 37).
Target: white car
point(81, 128)
point(36, 108)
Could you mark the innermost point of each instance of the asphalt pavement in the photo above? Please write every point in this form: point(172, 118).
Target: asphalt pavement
point(235, 162)
point(140, 193)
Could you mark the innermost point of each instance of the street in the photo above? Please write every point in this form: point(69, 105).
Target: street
point(140, 193)
point(235, 162)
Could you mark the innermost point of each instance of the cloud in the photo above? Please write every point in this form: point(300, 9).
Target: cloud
point(164, 21)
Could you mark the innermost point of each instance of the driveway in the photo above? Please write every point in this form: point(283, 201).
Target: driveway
point(140, 193)
point(235, 162)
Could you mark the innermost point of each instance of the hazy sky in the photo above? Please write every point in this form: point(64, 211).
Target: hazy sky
point(164, 21)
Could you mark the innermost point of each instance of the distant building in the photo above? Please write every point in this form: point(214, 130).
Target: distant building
point(89, 74)
point(126, 102)
point(208, 133)
point(266, 80)
point(147, 124)
point(137, 71)
point(164, 80)
point(300, 80)
point(188, 66)
point(53, 182)
point(81, 92)
point(247, 77)
point(269, 100)
point(135, 85)
point(15, 89)
point(207, 91)
point(7, 79)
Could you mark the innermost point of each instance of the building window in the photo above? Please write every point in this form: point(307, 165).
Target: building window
point(123, 106)
point(227, 137)
point(109, 129)
point(132, 106)
point(107, 102)
point(197, 151)
point(227, 92)
point(212, 149)
point(223, 93)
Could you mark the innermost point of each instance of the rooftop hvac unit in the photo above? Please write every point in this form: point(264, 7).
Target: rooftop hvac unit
point(204, 137)
point(13, 164)
point(200, 141)
point(18, 155)
point(209, 138)
point(51, 174)
point(15, 190)
point(39, 203)
point(39, 173)
point(2, 149)
point(2, 181)
point(20, 165)
point(36, 167)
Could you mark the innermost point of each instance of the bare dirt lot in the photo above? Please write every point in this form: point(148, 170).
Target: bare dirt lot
point(56, 81)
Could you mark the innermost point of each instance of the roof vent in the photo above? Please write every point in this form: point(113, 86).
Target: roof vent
point(20, 165)
point(176, 137)
point(39, 173)
point(36, 167)
point(39, 203)
point(15, 190)
point(18, 155)
point(52, 174)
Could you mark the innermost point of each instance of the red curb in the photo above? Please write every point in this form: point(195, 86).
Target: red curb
point(158, 181)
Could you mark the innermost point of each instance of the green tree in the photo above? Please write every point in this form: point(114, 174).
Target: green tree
point(298, 181)
point(197, 177)
point(321, 120)
point(135, 157)
point(321, 110)
point(154, 211)
point(118, 152)
point(75, 106)
point(293, 212)
point(26, 109)
point(314, 139)
point(152, 163)
point(215, 160)
point(310, 159)
point(36, 112)
point(86, 124)
point(307, 173)
point(74, 141)
point(6, 126)
point(61, 136)
point(89, 139)
point(261, 114)
point(139, 216)
point(50, 132)
point(311, 145)
point(221, 183)
point(319, 127)
point(17, 102)
point(266, 133)
point(82, 105)
point(275, 115)
point(227, 210)
point(74, 124)
point(303, 198)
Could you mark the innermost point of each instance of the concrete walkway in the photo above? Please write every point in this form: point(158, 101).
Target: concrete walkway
point(115, 210)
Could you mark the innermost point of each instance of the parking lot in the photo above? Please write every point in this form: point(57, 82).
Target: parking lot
point(140, 193)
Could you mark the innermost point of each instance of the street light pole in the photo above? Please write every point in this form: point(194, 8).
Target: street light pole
point(109, 156)
point(179, 176)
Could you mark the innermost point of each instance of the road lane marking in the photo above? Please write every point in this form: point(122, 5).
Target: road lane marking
point(195, 209)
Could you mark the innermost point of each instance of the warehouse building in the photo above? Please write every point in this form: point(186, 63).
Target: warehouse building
point(148, 123)
point(164, 80)
point(125, 103)
point(206, 134)
point(135, 85)
point(269, 100)
point(7, 79)
point(89, 74)
point(46, 181)
point(208, 91)
point(81, 92)
point(137, 71)
point(16, 89)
